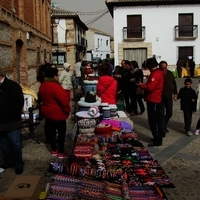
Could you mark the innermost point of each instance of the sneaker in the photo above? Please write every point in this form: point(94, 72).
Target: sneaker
point(63, 155)
point(54, 153)
point(189, 133)
point(2, 170)
point(197, 132)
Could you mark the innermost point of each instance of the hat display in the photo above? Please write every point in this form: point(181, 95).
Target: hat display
point(151, 62)
point(66, 65)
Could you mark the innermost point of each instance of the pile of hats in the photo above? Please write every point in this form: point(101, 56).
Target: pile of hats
point(86, 126)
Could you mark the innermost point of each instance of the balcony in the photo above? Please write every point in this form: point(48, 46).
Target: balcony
point(134, 34)
point(186, 32)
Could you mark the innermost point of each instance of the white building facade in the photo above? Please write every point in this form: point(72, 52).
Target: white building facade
point(98, 44)
point(167, 32)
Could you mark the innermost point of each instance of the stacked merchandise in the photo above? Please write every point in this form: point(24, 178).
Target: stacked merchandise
point(110, 151)
point(90, 98)
point(65, 187)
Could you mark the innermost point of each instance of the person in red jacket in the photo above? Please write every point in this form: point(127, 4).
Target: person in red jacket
point(153, 90)
point(107, 85)
point(55, 108)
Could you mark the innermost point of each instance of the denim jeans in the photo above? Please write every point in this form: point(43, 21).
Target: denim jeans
point(10, 145)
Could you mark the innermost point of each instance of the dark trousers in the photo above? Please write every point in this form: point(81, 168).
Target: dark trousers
point(61, 128)
point(10, 145)
point(127, 100)
point(154, 118)
point(166, 109)
point(140, 103)
point(187, 113)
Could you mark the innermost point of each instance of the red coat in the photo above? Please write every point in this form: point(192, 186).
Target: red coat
point(154, 86)
point(107, 89)
point(55, 104)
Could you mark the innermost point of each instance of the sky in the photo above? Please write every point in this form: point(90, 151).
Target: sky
point(91, 12)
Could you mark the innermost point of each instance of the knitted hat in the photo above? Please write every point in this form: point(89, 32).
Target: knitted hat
point(151, 62)
point(66, 65)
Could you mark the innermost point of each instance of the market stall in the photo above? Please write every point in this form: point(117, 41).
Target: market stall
point(108, 156)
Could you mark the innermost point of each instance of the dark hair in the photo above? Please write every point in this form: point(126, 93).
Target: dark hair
point(188, 80)
point(163, 62)
point(41, 72)
point(134, 63)
point(51, 72)
point(105, 69)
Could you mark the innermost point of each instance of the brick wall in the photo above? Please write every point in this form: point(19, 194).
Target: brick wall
point(21, 37)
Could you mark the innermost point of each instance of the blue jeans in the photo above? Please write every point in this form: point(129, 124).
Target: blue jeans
point(10, 145)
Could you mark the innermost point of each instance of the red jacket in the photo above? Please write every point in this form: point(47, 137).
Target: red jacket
point(154, 86)
point(107, 89)
point(55, 103)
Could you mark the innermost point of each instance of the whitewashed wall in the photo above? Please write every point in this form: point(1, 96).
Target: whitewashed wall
point(159, 22)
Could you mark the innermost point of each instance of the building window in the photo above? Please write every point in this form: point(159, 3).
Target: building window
point(134, 26)
point(45, 55)
point(98, 43)
point(185, 22)
point(185, 52)
point(107, 42)
point(101, 42)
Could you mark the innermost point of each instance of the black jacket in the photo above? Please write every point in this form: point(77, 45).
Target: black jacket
point(169, 86)
point(11, 104)
point(186, 95)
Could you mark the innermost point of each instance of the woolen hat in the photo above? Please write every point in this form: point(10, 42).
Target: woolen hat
point(151, 62)
point(66, 65)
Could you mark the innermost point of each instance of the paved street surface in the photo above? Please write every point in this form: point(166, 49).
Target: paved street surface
point(179, 156)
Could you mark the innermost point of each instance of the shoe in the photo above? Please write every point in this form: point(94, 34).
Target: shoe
point(19, 170)
point(188, 133)
point(54, 153)
point(63, 155)
point(197, 132)
point(2, 170)
point(163, 134)
point(6, 165)
point(154, 145)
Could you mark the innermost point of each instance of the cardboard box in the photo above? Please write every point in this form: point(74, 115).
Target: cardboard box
point(24, 188)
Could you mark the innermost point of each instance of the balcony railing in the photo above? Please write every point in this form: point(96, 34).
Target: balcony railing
point(186, 32)
point(81, 41)
point(136, 33)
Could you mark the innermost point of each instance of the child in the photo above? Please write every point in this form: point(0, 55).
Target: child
point(188, 98)
point(198, 104)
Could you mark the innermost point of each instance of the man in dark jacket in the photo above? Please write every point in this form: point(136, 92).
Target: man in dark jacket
point(169, 92)
point(11, 104)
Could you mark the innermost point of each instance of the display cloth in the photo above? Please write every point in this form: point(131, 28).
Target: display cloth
point(109, 162)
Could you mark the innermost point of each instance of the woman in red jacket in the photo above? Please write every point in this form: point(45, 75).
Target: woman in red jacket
point(107, 85)
point(55, 108)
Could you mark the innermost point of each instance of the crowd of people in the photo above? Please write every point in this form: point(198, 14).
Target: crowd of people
point(125, 83)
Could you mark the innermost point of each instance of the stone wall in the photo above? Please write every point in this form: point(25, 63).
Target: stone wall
point(23, 44)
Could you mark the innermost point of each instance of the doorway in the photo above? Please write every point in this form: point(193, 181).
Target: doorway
point(19, 45)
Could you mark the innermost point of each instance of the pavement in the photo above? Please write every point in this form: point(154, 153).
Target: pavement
point(179, 156)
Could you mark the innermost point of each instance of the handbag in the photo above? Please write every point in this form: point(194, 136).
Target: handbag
point(139, 91)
